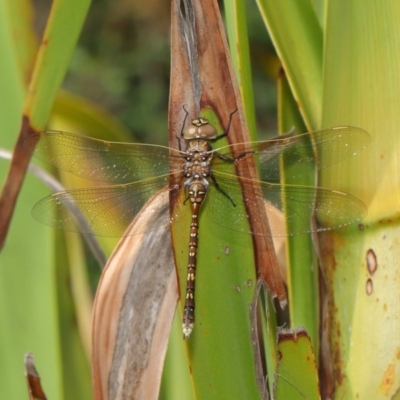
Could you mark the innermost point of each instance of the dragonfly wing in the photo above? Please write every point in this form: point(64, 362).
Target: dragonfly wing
point(106, 210)
point(99, 160)
point(318, 149)
point(332, 209)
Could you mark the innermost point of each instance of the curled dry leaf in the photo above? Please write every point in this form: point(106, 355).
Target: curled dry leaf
point(134, 307)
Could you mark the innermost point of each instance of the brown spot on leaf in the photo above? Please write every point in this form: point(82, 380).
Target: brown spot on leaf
point(388, 379)
point(372, 262)
point(369, 287)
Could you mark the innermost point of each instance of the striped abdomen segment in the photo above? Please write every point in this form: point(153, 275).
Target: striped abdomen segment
point(197, 193)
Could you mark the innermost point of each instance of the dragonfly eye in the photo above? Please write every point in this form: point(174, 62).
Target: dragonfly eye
point(200, 129)
point(208, 132)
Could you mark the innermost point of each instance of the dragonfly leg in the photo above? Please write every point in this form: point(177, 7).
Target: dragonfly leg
point(229, 159)
point(243, 155)
point(184, 120)
point(179, 138)
point(222, 190)
point(229, 125)
point(179, 142)
point(224, 157)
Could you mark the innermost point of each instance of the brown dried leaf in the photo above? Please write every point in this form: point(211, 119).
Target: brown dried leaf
point(133, 311)
point(33, 379)
point(14, 179)
point(202, 76)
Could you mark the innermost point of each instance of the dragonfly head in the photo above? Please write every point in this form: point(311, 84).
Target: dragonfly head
point(200, 121)
point(200, 128)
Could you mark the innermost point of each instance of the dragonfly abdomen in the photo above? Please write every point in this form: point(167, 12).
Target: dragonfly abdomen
point(197, 193)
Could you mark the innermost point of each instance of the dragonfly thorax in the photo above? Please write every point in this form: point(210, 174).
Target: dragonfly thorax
point(200, 129)
point(199, 146)
point(198, 160)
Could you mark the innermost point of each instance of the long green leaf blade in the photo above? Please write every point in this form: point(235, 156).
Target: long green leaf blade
point(361, 263)
point(297, 36)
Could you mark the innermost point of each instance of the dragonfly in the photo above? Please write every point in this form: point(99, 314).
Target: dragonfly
point(207, 179)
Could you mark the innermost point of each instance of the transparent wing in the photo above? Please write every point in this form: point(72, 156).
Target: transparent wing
point(332, 209)
point(105, 210)
point(317, 149)
point(99, 160)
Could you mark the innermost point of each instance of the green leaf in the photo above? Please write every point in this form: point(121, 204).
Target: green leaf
point(63, 28)
point(236, 23)
point(78, 115)
point(74, 302)
point(297, 375)
point(32, 314)
point(302, 268)
point(225, 283)
point(297, 37)
point(361, 88)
